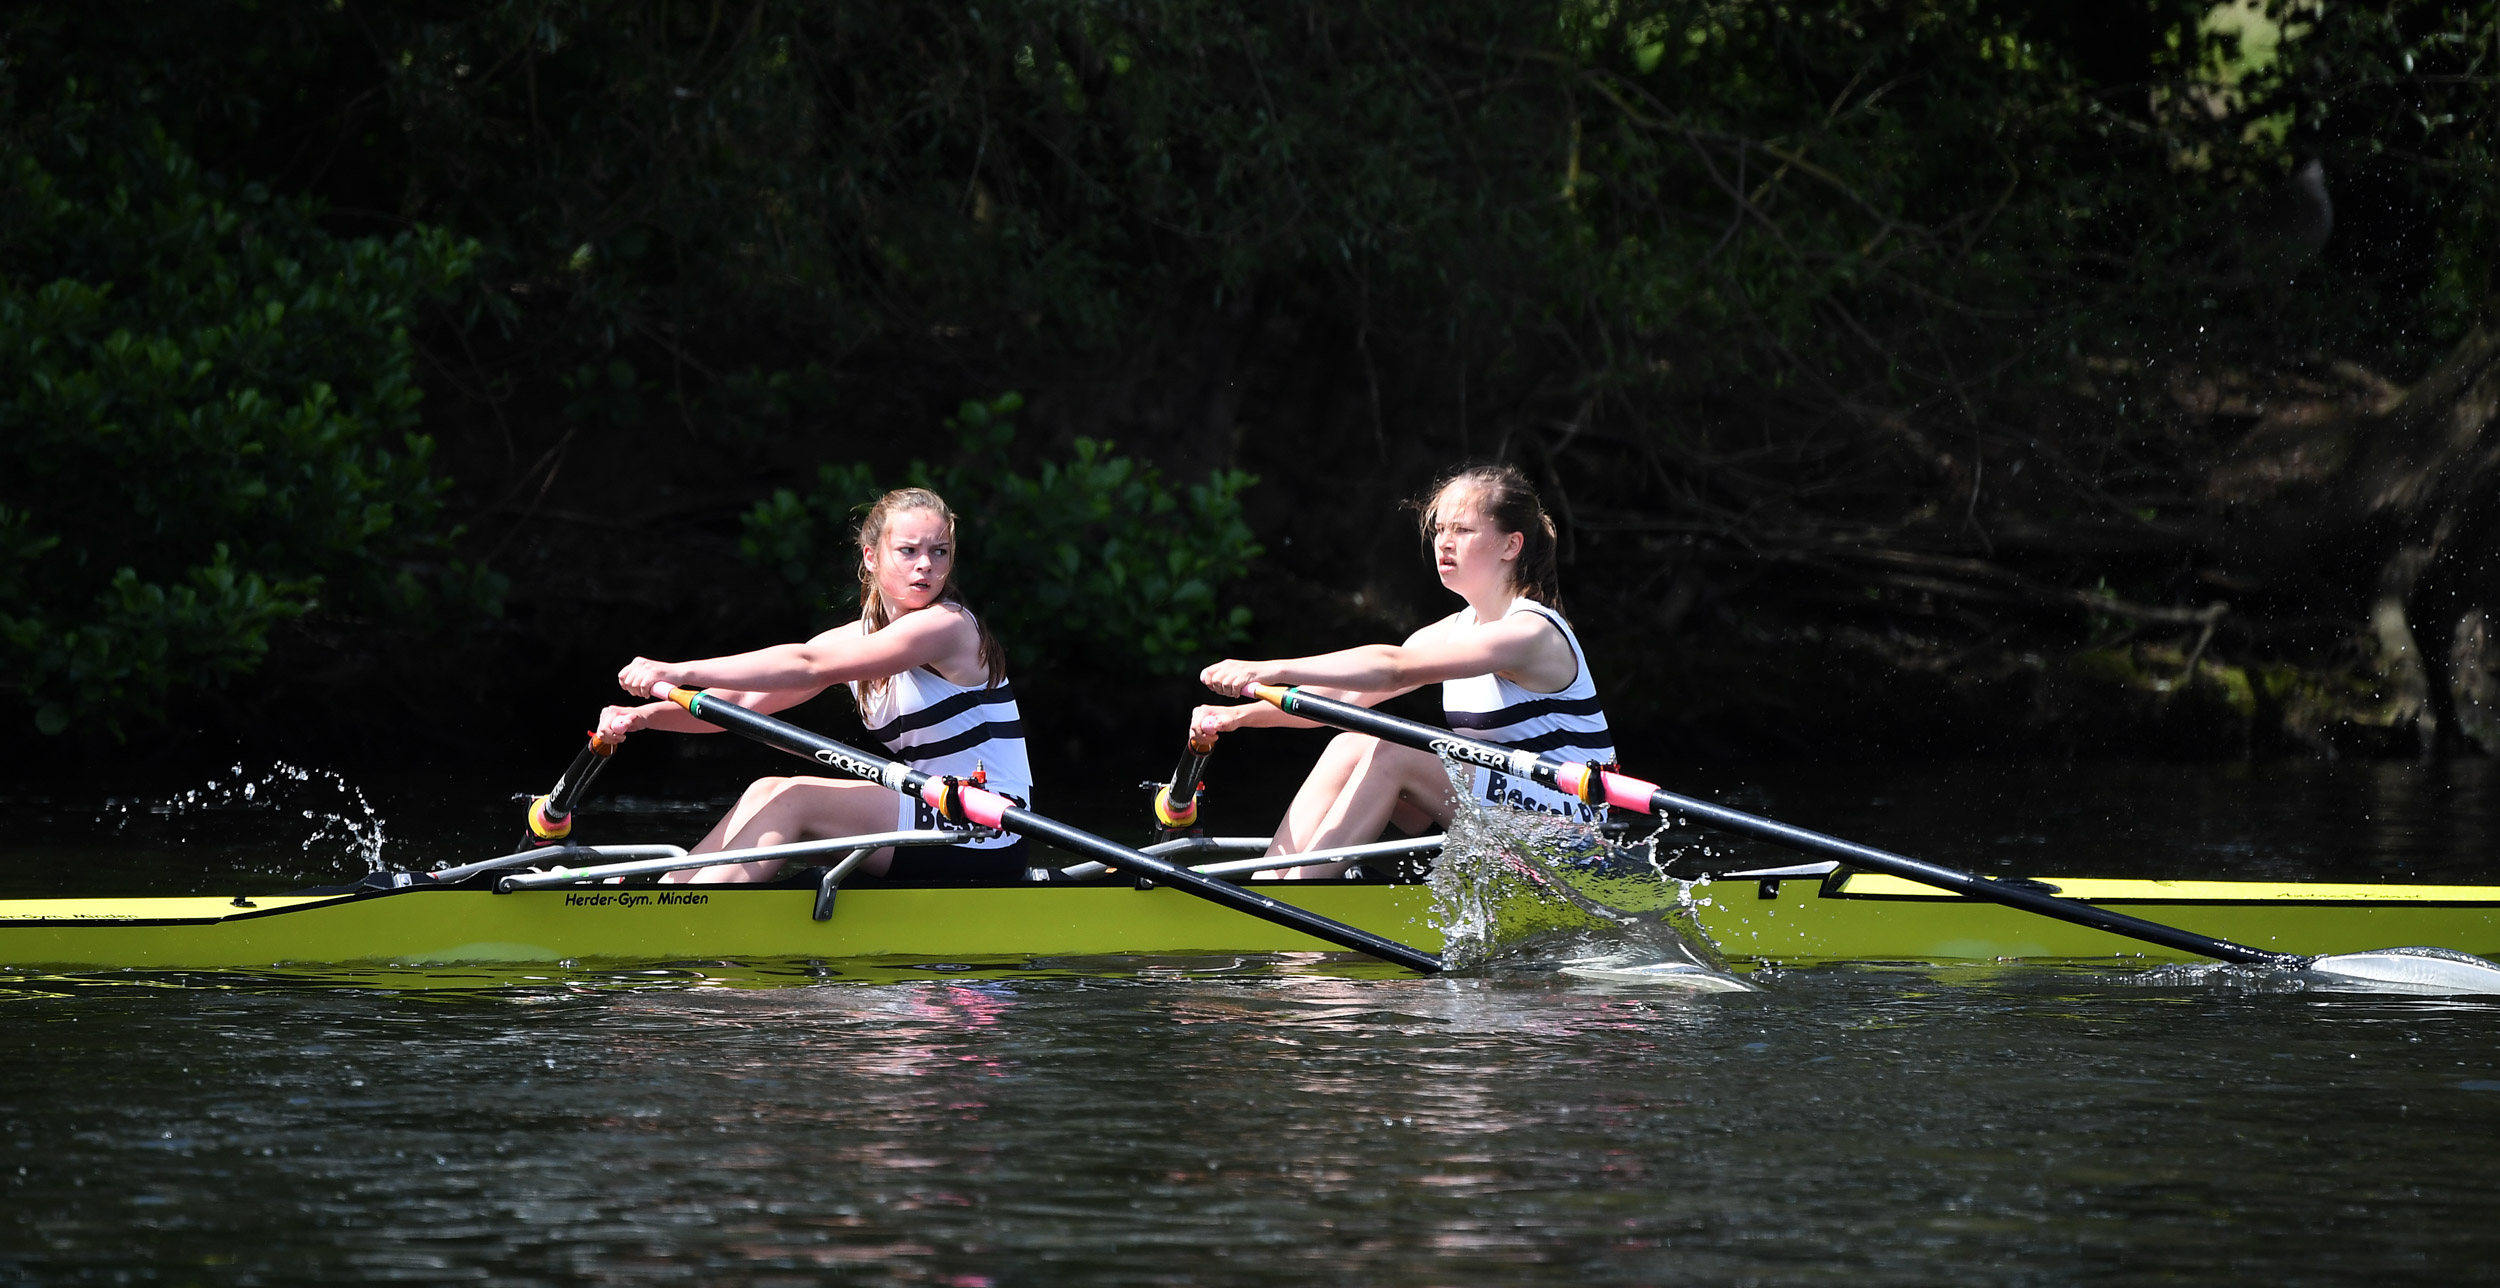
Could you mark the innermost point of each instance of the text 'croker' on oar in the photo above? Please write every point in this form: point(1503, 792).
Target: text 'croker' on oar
point(2424, 969)
point(960, 802)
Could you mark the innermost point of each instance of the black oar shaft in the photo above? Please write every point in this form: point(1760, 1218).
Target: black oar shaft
point(1649, 798)
point(1240, 899)
point(912, 782)
point(1959, 882)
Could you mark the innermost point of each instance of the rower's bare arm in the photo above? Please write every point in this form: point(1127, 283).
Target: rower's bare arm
point(1374, 673)
point(1523, 646)
point(840, 655)
point(1215, 721)
point(617, 722)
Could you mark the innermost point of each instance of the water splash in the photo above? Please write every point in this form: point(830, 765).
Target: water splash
point(1514, 887)
point(325, 817)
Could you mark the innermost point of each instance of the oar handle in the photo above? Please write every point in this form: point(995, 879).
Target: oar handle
point(1176, 801)
point(1595, 785)
point(959, 801)
point(551, 815)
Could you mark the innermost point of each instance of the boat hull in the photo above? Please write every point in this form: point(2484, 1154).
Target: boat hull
point(426, 926)
point(1858, 918)
point(1867, 917)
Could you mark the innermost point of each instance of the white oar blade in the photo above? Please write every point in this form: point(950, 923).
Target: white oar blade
point(1683, 976)
point(2433, 971)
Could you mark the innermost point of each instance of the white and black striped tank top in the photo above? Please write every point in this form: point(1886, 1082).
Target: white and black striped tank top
point(1568, 725)
point(938, 727)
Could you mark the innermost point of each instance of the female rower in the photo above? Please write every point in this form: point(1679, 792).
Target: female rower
point(1511, 672)
point(931, 684)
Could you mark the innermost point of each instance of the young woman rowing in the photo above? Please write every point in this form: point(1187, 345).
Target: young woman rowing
point(931, 684)
point(1511, 672)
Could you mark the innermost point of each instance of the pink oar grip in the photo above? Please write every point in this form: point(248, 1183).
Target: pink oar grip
point(982, 807)
point(989, 809)
point(1626, 792)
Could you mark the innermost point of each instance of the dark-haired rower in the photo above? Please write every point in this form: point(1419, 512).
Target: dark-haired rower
point(1511, 672)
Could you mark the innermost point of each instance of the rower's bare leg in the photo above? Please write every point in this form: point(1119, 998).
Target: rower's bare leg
point(777, 811)
point(1359, 787)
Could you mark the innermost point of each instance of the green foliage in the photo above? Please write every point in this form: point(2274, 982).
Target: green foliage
point(1721, 230)
point(1745, 284)
point(1665, 215)
point(1092, 557)
point(206, 414)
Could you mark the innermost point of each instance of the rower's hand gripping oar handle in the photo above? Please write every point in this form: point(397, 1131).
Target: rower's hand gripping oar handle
point(551, 815)
point(1594, 785)
point(960, 801)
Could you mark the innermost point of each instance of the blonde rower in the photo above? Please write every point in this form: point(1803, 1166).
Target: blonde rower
point(1511, 672)
point(931, 684)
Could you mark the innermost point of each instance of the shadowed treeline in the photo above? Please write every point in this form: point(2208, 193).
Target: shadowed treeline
point(1913, 375)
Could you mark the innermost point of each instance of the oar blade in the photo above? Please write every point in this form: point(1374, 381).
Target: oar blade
point(2429, 971)
point(1683, 976)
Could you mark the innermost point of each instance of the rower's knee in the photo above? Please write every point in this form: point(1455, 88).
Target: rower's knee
point(1350, 748)
point(764, 791)
point(1361, 754)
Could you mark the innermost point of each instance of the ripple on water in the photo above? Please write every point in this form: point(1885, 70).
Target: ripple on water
point(1885, 1126)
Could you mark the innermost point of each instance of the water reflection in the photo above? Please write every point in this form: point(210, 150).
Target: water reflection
point(1974, 1125)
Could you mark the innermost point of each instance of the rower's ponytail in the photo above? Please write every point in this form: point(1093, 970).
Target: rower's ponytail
point(875, 614)
point(1505, 497)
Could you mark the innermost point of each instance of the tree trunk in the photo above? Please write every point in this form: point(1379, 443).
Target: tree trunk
point(2473, 687)
point(2385, 493)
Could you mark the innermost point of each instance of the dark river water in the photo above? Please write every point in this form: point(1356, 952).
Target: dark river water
point(1199, 1121)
